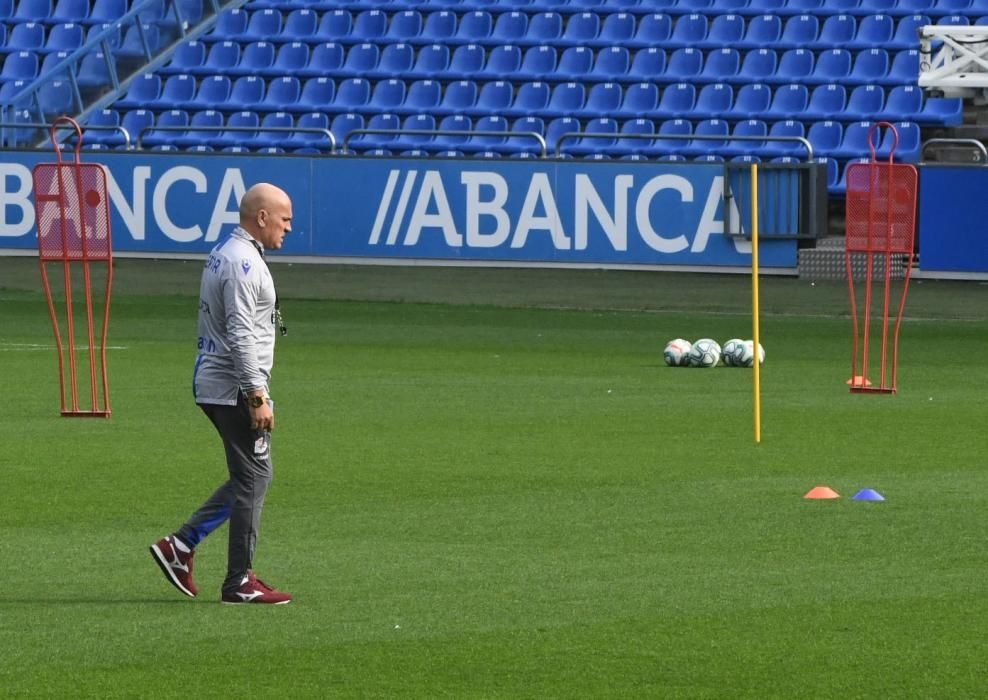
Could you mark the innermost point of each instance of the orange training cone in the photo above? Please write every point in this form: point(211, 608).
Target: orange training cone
point(858, 380)
point(822, 493)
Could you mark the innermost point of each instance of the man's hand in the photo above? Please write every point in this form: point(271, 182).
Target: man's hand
point(262, 417)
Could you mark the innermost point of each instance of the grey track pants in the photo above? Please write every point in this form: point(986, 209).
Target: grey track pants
point(240, 499)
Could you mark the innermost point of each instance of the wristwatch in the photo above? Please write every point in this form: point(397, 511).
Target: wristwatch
point(255, 401)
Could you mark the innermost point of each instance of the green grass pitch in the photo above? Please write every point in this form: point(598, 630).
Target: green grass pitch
point(487, 484)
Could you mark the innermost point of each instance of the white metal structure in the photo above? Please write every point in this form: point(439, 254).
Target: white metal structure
point(953, 61)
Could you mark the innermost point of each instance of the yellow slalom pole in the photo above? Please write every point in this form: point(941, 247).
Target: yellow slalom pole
point(754, 302)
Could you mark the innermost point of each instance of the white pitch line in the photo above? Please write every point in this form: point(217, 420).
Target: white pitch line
point(31, 347)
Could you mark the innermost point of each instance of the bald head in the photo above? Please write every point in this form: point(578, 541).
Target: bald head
point(266, 214)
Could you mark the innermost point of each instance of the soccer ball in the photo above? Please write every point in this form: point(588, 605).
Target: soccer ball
point(729, 350)
point(744, 356)
point(705, 353)
point(676, 352)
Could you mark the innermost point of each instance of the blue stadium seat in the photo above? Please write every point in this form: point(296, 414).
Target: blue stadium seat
point(676, 101)
point(474, 28)
point(942, 111)
point(905, 139)
point(825, 137)
point(708, 146)
point(366, 142)
point(292, 59)
point(876, 7)
point(640, 100)
point(713, 100)
point(336, 26)
point(838, 32)
point(606, 130)
point(954, 21)
point(417, 122)
point(134, 122)
point(32, 11)
point(213, 93)
point(870, 67)
point(246, 93)
point(874, 31)
point(799, 31)
point(748, 130)
point(904, 68)
point(581, 29)
point(189, 57)
point(144, 89)
point(268, 137)
point(172, 119)
point(404, 26)
point(481, 144)
point(903, 103)
point(855, 141)
point(139, 41)
point(557, 127)
point(647, 64)
point(106, 11)
point(387, 96)
point(423, 97)
point(430, 62)
point(368, 26)
point(49, 63)
point(544, 28)
point(566, 99)
point(312, 141)
point(493, 98)
point(203, 128)
point(103, 117)
point(684, 64)
point(231, 25)
point(949, 7)
point(467, 61)
point(864, 102)
point(262, 25)
point(453, 122)
point(27, 36)
point(257, 57)
point(653, 31)
point(575, 63)
point(795, 66)
point(759, 66)
point(458, 97)
point(826, 102)
point(240, 120)
point(70, 11)
point(832, 66)
point(176, 93)
point(915, 6)
point(751, 102)
point(612, 63)
point(509, 29)
point(439, 28)
point(672, 127)
point(93, 72)
point(396, 62)
point(317, 95)
point(22, 65)
point(787, 128)
point(765, 7)
point(326, 59)
point(617, 30)
point(788, 102)
point(721, 66)
point(762, 31)
point(603, 100)
point(282, 94)
point(725, 31)
point(223, 57)
point(530, 99)
point(627, 145)
point(64, 37)
point(520, 144)
point(300, 25)
point(538, 63)
point(361, 59)
point(906, 35)
point(503, 63)
point(56, 98)
point(689, 30)
point(342, 125)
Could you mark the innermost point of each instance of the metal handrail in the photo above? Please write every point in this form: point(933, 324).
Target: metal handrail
point(684, 137)
point(544, 147)
point(255, 129)
point(958, 142)
point(47, 127)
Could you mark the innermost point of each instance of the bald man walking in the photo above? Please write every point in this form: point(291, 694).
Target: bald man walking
point(238, 311)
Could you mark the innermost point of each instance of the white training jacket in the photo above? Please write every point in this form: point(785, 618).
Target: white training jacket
point(236, 322)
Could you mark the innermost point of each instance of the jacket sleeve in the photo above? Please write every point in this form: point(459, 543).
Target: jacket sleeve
point(240, 291)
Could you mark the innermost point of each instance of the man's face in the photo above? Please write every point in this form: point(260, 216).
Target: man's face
point(274, 221)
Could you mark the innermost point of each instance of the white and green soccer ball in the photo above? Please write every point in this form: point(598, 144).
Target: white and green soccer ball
point(705, 353)
point(677, 351)
point(729, 349)
point(745, 355)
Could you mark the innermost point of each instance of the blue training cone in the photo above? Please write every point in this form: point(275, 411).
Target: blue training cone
point(868, 495)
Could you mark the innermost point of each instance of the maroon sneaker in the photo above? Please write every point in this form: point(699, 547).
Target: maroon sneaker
point(254, 590)
point(175, 564)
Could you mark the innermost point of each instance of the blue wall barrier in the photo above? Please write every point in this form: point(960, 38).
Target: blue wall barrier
point(953, 235)
point(466, 210)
